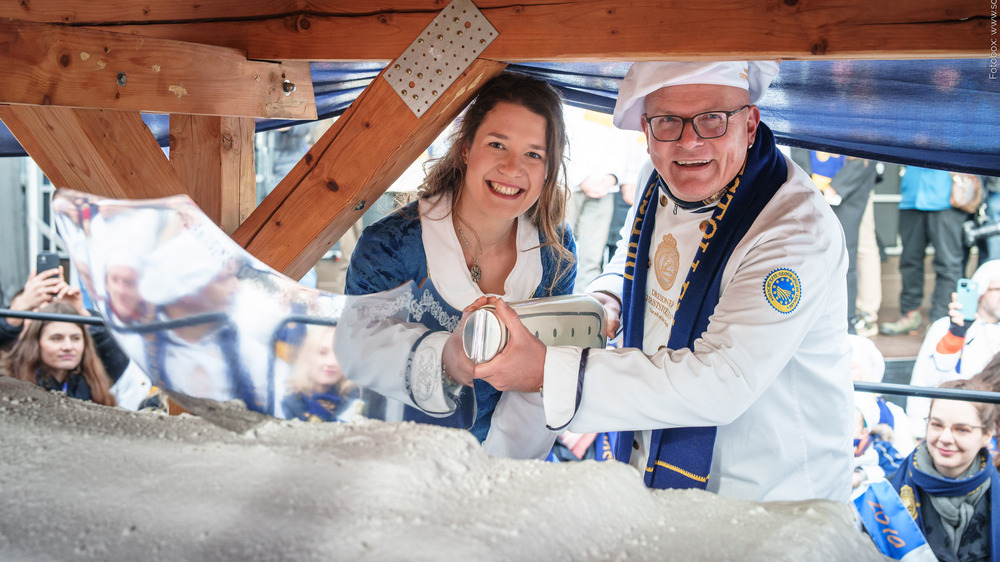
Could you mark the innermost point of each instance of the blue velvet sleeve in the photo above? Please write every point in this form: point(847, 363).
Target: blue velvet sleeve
point(389, 252)
point(550, 265)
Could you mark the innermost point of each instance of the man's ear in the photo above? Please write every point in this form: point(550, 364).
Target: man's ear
point(645, 131)
point(752, 122)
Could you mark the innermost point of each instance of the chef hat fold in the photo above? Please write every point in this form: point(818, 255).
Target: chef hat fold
point(644, 78)
point(868, 359)
point(181, 266)
point(985, 275)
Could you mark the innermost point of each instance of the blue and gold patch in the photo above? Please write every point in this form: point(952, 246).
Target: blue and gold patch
point(783, 290)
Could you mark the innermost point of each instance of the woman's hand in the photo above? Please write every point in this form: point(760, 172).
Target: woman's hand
point(456, 363)
point(39, 290)
point(612, 311)
point(73, 296)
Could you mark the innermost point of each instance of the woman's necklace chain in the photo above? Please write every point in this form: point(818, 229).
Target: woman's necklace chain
point(474, 269)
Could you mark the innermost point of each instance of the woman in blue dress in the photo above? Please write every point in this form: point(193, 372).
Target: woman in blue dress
point(489, 221)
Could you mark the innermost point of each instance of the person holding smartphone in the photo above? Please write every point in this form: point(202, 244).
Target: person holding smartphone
point(41, 288)
point(48, 286)
point(961, 344)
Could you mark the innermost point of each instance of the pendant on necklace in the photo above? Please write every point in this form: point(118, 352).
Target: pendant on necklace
point(477, 273)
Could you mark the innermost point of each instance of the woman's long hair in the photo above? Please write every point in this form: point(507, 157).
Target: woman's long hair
point(548, 214)
point(989, 379)
point(25, 359)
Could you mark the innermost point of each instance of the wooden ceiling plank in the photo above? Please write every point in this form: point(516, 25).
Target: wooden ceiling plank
point(108, 153)
point(214, 158)
point(56, 65)
point(350, 167)
point(547, 30)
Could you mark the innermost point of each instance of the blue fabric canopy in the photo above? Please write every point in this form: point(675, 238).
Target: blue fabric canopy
point(932, 113)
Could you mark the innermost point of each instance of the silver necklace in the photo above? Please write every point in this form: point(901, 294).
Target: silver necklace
point(474, 269)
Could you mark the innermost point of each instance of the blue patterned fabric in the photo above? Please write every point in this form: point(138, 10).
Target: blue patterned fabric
point(887, 522)
point(682, 457)
point(391, 252)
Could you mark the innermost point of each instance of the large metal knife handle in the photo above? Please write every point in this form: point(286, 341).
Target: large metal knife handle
point(563, 320)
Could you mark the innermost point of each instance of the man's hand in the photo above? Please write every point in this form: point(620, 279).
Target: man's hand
point(520, 366)
point(612, 312)
point(456, 363)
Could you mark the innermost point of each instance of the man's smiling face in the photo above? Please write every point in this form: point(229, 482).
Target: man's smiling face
point(695, 168)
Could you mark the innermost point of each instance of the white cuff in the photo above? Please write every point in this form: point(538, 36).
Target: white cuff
point(423, 377)
point(609, 283)
point(561, 385)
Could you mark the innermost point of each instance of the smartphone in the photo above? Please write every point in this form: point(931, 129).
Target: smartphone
point(968, 297)
point(46, 261)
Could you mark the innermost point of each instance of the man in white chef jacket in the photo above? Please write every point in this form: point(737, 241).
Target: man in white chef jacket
point(730, 282)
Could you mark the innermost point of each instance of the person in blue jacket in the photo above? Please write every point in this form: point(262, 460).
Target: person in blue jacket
point(489, 221)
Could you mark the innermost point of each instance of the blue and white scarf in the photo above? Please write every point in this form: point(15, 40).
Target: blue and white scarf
point(910, 480)
point(682, 457)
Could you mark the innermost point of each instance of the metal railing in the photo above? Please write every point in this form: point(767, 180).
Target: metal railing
point(880, 388)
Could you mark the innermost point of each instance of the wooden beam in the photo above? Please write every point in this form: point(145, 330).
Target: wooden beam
point(350, 166)
point(108, 153)
point(551, 30)
point(214, 158)
point(56, 65)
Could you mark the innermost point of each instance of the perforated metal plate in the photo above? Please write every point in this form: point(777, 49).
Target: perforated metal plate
point(439, 55)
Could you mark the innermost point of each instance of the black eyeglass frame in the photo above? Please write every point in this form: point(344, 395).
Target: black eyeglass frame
point(686, 120)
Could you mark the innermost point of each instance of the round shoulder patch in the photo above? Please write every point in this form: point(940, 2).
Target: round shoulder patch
point(783, 290)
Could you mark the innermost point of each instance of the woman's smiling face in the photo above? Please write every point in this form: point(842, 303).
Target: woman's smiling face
point(505, 163)
point(955, 434)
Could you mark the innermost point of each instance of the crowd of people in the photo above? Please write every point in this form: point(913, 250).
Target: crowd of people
point(738, 294)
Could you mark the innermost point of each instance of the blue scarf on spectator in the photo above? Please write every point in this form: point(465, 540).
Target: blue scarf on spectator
point(909, 481)
point(682, 457)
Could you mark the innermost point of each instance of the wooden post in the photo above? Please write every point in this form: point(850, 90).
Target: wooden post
point(108, 153)
point(214, 158)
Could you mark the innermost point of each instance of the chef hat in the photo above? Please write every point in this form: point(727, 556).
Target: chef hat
point(868, 359)
point(646, 77)
point(985, 275)
point(179, 267)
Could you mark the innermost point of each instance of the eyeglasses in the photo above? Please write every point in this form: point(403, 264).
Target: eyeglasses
point(708, 125)
point(935, 426)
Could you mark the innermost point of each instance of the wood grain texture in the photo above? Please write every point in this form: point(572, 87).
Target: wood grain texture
point(549, 30)
point(350, 166)
point(214, 158)
point(76, 67)
point(108, 153)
